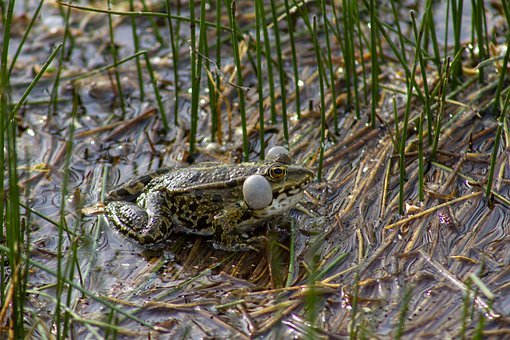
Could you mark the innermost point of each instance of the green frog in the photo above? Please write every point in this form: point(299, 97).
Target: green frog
point(224, 201)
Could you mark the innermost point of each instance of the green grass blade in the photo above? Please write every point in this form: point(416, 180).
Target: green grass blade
point(297, 81)
point(494, 155)
point(25, 36)
point(136, 44)
point(115, 56)
point(67, 36)
point(330, 64)
point(239, 73)
point(175, 59)
point(156, 90)
point(261, 12)
point(281, 70)
point(322, 94)
point(260, 88)
point(375, 64)
point(33, 83)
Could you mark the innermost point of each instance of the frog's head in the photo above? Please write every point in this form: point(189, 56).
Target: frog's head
point(276, 188)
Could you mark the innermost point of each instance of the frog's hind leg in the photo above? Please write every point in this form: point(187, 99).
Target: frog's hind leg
point(147, 223)
point(127, 217)
point(131, 189)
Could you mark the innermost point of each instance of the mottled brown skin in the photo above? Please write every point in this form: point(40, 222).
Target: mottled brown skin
point(202, 199)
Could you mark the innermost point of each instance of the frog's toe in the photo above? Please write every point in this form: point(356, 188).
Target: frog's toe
point(127, 217)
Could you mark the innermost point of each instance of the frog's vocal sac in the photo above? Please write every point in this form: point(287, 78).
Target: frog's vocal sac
point(224, 201)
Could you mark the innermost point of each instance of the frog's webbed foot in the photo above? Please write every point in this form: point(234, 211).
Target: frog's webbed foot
point(146, 225)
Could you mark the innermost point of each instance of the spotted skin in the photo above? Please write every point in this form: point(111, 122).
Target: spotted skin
point(203, 199)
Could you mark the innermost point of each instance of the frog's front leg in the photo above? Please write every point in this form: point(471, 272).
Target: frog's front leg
point(228, 235)
point(148, 221)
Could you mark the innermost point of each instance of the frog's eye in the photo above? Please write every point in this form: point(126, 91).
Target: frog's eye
point(277, 172)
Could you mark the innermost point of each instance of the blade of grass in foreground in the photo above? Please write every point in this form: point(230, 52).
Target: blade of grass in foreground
point(4, 112)
point(283, 91)
point(456, 6)
point(330, 64)
point(403, 136)
point(258, 26)
point(404, 308)
point(136, 44)
point(13, 230)
point(502, 76)
point(348, 52)
point(25, 35)
point(14, 235)
point(216, 110)
point(239, 72)
point(65, 46)
point(115, 56)
point(78, 287)
point(375, 64)
point(29, 89)
point(297, 81)
point(353, 328)
point(495, 149)
point(195, 73)
point(261, 12)
point(322, 94)
point(60, 326)
point(175, 60)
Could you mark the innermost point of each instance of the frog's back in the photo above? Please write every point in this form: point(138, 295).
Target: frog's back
point(204, 175)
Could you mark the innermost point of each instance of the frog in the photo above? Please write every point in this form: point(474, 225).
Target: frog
point(223, 201)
